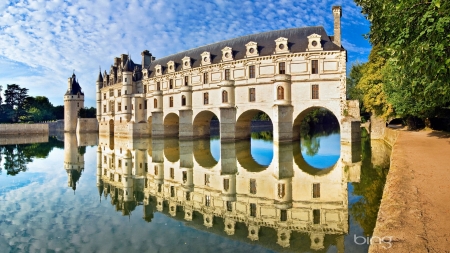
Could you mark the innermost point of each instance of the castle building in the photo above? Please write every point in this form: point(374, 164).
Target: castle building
point(73, 102)
point(284, 73)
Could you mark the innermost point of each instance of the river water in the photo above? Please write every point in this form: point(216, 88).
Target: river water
point(99, 194)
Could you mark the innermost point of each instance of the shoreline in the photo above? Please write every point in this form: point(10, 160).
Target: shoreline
point(414, 214)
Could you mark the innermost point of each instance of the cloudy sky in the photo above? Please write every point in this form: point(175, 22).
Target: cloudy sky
point(42, 42)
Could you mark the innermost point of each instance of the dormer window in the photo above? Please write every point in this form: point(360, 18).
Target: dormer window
point(171, 66)
point(206, 58)
point(281, 45)
point(314, 42)
point(186, 62)
point(227, 54)
point(158, 70)
point(252, 49)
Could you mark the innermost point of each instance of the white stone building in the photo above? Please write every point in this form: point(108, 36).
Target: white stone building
point(283, 73)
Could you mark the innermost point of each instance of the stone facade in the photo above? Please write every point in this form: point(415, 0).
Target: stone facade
point(284, 74)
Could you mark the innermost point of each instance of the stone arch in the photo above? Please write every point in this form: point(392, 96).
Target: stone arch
point(202, 153)
point(202, 124)
point(246, 159)
point(171, 125)
point(299, 118)
point(243, 123)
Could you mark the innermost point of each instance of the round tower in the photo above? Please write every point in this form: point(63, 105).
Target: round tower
point(99, 85)
point(73, 102)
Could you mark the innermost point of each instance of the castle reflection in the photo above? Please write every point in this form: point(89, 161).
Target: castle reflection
point(287, 202)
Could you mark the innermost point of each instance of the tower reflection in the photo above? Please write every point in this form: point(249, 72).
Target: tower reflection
point(287, 202)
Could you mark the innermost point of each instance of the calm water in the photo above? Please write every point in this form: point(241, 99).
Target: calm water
point(83, 194)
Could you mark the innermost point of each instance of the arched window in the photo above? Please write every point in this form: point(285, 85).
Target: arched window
point(183, 100)
point(170, 101)
point(155, 103)
point(280, 92)
point(224, 96)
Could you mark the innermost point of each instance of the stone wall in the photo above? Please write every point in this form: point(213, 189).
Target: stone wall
point(85, 125)
point(17, 129)
point(23, 139)
point(56, 127)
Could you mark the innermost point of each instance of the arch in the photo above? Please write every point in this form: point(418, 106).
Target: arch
point(245, 158)
point(183, 100)
point(155, 103)
point(202, 124)
point(298, 120)
point(203, 155)
point(280, 93)
point(244, 123)
point(171, 124)
point(171, 149)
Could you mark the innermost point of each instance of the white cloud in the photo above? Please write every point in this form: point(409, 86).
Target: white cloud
point(56, 37)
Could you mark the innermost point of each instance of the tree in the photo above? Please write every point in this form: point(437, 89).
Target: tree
point(413, 36)
point(38, 109)
point(87, 112)
point(352, 81)
point(58, 112)
point(15, 98)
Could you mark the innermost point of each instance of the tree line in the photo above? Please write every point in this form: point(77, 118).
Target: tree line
point(408, 71)
point(17, 107)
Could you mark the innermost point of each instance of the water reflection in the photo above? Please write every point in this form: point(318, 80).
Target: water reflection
point(282, 201)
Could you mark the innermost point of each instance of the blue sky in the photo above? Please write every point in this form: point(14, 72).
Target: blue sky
point(42, 42)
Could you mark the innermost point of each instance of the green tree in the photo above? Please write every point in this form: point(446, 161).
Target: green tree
point(415, 38)
point(15, 98)
point(58, 112)
point(87, 112)
point(38, 109)
point(356, 73)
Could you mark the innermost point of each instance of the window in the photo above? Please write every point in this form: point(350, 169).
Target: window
point(120, 163)
point(205, 78)
point(146, 183)
point(158, 86)
point(184, 176)
point(171, 84)
point(172, 191)
point(104, 95)
point(207, 179)
point(126, 107)
point(251, 71)
point(145, 104)
point(253, 186)
point(104, 108)
point(283, 215)
point(281, 190)
point(125, 79)
point(280, 93)
point(207, 200)
point(126, 92)
point(314, 67)
point(119, 106)
point(146, 167)
point(119, 92)
point(316, 216)
point(226, 184)
point(205, 98)
point(229, 206)
point(132, 106)
point(227, 74)
point(224, 96)
point(188, 196)
point(170, 101)
point(120, 178)
point(156, 170)
point(159, 187)
point(316, 190)
point(111, 93)
point(251, 97)
point(282, 68)
point(145, 88)
point(183, 100)
point(78, 104)
point(155, 103)
point(315, 91)
point(140, 106)
point(186, 80)
point(172, 173)
point(253, 209)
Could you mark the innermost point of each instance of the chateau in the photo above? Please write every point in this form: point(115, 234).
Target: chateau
point(284, 74)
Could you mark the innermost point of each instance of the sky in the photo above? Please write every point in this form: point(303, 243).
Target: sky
point(43, 42)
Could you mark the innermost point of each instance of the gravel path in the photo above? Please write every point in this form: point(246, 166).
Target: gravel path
point(414, 215)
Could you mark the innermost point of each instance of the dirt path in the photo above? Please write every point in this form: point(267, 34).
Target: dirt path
point(415, 209)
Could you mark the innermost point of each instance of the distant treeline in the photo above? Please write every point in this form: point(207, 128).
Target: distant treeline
point(17, 106)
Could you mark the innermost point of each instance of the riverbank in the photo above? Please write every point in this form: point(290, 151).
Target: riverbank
point(414, 214)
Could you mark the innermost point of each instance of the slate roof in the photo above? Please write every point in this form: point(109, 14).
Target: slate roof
point(75, 87)
point(297, 42)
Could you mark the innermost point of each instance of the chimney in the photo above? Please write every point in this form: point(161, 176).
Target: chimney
point(69, 83)
point(123, 58)
point(337, 14)
point(146, 58)
point(116, 61)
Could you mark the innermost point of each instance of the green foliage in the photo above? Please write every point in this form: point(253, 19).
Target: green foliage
point(261, 116)
point(38, 109)
point(316, 119)
point(15, 98)
point(415, 39)
point(262, 135)
point(87, 112)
